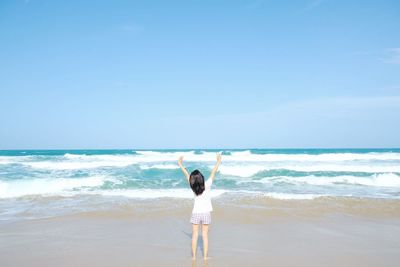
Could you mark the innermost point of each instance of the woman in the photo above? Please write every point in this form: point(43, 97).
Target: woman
point(201, 213)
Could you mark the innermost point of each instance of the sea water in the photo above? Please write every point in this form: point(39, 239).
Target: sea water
point(29, 179)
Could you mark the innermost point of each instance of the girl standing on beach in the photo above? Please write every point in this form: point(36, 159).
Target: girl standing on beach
point(201, 213)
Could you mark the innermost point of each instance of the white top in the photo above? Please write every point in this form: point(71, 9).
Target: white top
point(202, 203)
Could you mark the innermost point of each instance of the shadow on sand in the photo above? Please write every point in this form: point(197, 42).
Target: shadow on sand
point(199, 246)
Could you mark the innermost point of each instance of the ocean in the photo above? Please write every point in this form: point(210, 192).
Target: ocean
point(40, 183)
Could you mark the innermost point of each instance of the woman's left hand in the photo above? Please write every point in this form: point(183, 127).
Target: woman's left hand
point(180, 161)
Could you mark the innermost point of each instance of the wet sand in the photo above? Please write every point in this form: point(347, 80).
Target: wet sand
point(252, 232)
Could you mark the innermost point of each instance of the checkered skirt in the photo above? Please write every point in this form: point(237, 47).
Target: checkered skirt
point(201, 218)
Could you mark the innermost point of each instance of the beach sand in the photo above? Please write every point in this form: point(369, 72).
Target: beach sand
point(244, 232)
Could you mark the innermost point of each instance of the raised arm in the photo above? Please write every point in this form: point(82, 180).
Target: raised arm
point(185, 172)
point(214, 171)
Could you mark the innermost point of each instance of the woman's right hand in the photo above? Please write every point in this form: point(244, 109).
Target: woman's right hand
point(218, 157)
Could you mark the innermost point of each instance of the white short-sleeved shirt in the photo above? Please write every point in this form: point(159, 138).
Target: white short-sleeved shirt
point(202, 203)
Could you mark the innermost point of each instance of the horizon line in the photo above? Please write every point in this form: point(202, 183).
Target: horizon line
point(249, 148)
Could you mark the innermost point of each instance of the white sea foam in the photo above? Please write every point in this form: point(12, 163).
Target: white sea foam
point(15, 159)
point(74, 156)
point(188, 194)
point(159, 166)
point(47, 186)
point(75, 162)
point(74, 165)
point(383, 168)
point(88, 186)
point(248, 156)
point(154, 193)
point(291, 196)
point(243, 170)
point(379, 180)
point(241, 153)
point(5, 160)
point(247, 162)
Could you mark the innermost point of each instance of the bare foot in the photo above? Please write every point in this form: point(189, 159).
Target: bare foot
point(207, 258)
point(193, 258)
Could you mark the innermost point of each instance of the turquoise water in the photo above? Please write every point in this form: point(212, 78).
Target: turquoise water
point(280, 173)
point(53, 181)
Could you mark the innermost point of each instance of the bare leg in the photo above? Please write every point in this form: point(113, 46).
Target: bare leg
point(204, 229)
point(195, 235)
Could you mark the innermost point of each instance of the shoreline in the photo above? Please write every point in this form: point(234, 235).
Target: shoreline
point(37, 207)
point(319, 232)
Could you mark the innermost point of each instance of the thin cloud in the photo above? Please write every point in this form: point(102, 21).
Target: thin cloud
point(392, 56)
point(130, 28)
point(255, 4)
point(313, 4)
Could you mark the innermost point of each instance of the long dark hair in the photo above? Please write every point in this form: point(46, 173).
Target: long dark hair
point(197, 182)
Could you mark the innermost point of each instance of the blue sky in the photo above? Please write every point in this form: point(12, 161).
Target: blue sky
point(199, 74)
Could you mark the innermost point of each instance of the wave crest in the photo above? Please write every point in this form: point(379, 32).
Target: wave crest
point(46, 186)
